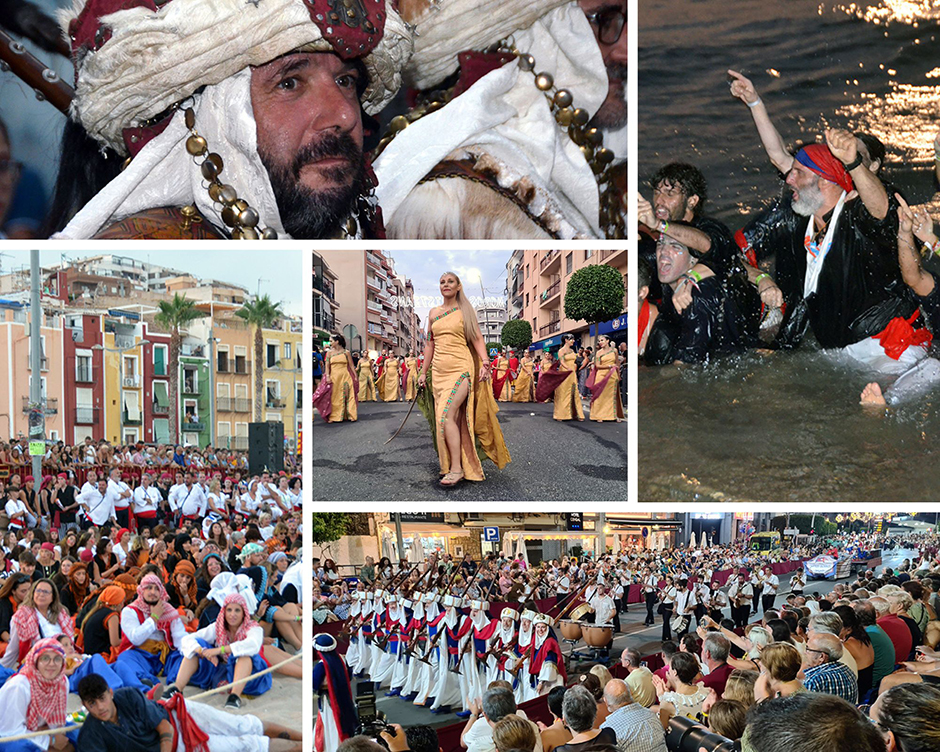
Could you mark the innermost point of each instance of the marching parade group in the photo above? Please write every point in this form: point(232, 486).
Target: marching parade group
point(427, 633)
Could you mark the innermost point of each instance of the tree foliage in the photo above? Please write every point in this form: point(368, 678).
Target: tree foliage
point(805, 523)
point(261, 313)
point(595, 293)
point(517, 334)
point(328, 526)
point(174, 315)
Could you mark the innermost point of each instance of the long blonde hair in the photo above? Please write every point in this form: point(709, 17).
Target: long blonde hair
point(471, 328)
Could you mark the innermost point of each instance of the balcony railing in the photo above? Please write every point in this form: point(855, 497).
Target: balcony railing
point(86, 415)
point(52, 405)
point(242, 368)
point(550, 293)
point(158, 409)
point(240, 443)
point(193, 351)
point(371, 258)
point(223, 404)
point(323, 286)
point(373, 284)
point(193, 426)
point(323, 321)
point(548, 259)
point(242, 405)
point(374, 306)
point(549, 328)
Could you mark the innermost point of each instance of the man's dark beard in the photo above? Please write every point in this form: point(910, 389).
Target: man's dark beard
point(603, 119)
point(307, 213)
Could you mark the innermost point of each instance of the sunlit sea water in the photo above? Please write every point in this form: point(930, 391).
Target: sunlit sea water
point(785, 427)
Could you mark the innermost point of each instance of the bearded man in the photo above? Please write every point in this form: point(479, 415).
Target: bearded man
point(194, 119)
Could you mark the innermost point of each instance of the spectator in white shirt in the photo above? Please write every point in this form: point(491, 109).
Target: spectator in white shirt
point(98, 504)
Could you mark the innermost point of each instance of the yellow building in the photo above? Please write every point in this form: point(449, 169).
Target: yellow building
point(282, 398)
point(124, 351)
point(234, 382)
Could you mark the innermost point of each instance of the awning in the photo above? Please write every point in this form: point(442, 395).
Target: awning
point(552, 342)
point(161, 430)
point(160, 395)
point(618, 324)
point(132, 406)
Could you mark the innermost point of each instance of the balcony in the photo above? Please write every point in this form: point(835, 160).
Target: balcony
point(373, 284)
point(547, 264)
point(131, 382)
point(43, 364)
point(190, 387)
point(192, 426)
point(375, 329)
point(374, 306)
point(323, 321)
point(548, 297)
point(242, 405)
point(157, 409)
point(86, 416)
point(52, 405)
point(241, 368)
point(84, 375)
point(325, 287)
point(373, 260)
point(549, 329)
point(193, 351)
point(239, 443)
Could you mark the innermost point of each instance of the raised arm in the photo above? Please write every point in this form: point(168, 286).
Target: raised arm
point(921, 282)
point(770, 137)
point(686, 234)
point(844, 147)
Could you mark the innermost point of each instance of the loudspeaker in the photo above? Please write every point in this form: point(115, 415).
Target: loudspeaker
point(265, 447)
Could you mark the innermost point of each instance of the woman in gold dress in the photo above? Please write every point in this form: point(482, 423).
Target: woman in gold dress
point(388, 381)
point(366, 381)
point(567, 398)
point(502, 379)
point(604, 383)
point(339, 372)
point(525, 380)
point(464, 408)
point(411, 376)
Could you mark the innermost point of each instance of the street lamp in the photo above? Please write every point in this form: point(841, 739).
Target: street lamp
point(121, 351)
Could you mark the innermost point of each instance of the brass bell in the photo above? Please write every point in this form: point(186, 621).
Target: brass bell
point(564, 116)
point(249, 233)
point(227, 195)
point(236, 233)
point(581, 116)
point(563, 98)
point(596, 167)
point(544, 82)
point(196, 145)
point(576, 135)
point(527, 62)
point(248, 217)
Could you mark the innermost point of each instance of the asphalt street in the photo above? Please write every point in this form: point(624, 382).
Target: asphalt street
point(634, 634)
point(551, 461)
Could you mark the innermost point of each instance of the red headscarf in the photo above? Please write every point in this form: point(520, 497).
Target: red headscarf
point(169, 613)
point(26, 621)
point(819, 159)
point(221, 629)
point(47, 699)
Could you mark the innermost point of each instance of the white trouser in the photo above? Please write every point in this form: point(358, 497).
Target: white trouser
point(915, 382)
point(228, 732)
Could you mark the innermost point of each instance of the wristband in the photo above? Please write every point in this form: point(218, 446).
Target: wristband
point(663, 226)
point(694, 276)
point(854, 163)
point(222, 650)
point(760, 277)
point(754, 103)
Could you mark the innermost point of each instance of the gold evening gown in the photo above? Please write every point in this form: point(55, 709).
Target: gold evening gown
point(502, 365)
point(411, 380)
point(366, 382)
point(453, 363)
point(525, 382)
point(389, 380)
point(344, 400)
point(567, 398)
point(607, 406)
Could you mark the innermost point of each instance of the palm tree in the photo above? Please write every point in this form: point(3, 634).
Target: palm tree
point(261, 313)
point(173, 315)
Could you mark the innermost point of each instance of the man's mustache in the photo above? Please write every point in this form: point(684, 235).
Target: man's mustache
point(329, 146)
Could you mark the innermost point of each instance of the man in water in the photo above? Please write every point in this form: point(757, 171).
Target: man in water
point(834, 239)
point(713, 323)
point(235, 119)
point(679, 195)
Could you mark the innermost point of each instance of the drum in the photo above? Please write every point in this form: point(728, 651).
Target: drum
point(570, 630)
point(580, 612)
point(679, 623)
point(597, 636)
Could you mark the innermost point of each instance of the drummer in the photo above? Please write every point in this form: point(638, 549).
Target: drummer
point(684, 607)
point(604, 612)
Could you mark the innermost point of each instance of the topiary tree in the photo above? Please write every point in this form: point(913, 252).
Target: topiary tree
point(517, 334)
point(594, 294)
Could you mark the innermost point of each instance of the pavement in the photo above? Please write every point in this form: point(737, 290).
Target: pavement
point(551, 461)
point(281, 704)
point(647, 640)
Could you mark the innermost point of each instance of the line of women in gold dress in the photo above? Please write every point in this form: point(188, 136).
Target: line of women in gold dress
point(366, 380)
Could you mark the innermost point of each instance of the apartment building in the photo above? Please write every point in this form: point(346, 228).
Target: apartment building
point(536, 282)
point(282, 399)
point(325, 305)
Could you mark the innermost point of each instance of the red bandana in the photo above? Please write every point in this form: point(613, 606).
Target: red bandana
point(221, 629)
point(47, 699)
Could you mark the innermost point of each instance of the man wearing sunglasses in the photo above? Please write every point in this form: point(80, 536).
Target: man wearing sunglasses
point(608, 19)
